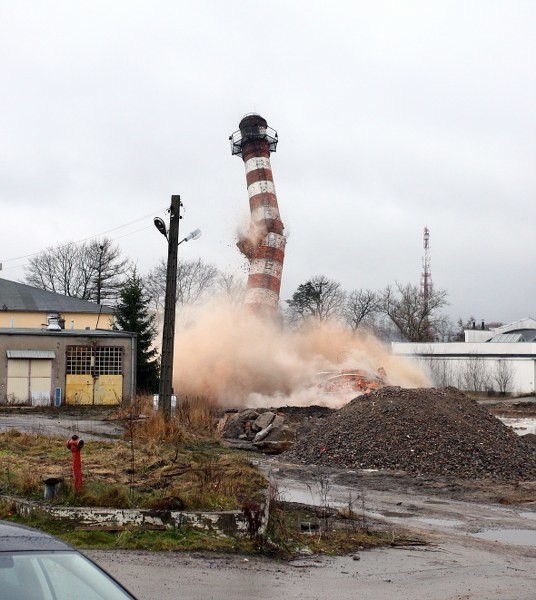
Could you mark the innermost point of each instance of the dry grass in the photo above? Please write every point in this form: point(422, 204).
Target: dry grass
point(177, 463)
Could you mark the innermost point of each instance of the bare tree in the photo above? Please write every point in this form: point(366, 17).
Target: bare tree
point(415, 316)
point(231, 287)
point(440, 369)
point(54, 269)
point(105, 270)
point(503, 375)
point(91, 270)
point(444, 328)
point(319, 297)
point(194, 279)
point(361, 306)
point(475, 376)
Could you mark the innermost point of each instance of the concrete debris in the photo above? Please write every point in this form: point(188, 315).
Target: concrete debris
point(269, 431)
point(263, 434)
point(421, 431)
point(351, 380)
point(263, 421)
point(235, 424)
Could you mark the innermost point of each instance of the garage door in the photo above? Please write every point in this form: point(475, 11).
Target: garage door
point(29, 381)
point(94, 375)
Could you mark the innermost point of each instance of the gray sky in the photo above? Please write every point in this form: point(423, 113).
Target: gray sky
point(391, 116)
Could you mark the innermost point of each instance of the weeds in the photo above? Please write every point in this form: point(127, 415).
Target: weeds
point(175, 465)
point(321, 489)
point(157, 462)
point(277, 538)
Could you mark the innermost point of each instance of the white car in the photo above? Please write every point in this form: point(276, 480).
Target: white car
point(37, 566)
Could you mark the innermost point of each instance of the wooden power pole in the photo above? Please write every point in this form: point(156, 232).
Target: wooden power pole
point(168, 334)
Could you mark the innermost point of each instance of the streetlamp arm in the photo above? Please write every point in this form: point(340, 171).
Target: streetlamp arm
point(194, 235)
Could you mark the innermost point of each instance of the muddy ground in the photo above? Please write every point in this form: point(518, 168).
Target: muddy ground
point(480, 535)
point(450, 516)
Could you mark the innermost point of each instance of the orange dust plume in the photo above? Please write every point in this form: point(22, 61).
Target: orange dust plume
point(238, 360)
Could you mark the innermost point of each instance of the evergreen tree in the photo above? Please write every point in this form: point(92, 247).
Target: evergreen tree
point(132, 314)
point(319, 297)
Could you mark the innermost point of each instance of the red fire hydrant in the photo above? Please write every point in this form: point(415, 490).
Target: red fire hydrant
point(75, 444)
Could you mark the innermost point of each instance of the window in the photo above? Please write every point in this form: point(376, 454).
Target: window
point(94, 360)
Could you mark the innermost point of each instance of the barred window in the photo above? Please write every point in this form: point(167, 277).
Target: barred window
point(91, 360)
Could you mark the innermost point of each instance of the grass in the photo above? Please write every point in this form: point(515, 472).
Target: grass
point(178, 465)
point(332, 533)
point(168, 540)
point(282, 540)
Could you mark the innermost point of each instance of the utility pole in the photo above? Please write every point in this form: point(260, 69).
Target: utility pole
point(168, 333)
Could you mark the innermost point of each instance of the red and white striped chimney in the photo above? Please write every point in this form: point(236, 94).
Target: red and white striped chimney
point(265, 244)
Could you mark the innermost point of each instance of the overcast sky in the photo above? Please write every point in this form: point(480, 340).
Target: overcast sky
point(391, 116)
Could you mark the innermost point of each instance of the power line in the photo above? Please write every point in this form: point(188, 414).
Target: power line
point(96, 235)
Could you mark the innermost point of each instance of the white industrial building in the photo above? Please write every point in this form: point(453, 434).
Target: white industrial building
point(501, 360)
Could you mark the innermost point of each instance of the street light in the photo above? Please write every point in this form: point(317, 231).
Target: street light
point(168, 331)
point(194, 235)
point(161, 226)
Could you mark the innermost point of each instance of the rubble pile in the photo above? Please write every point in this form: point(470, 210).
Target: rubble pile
point(271, 431)
point(422, 431)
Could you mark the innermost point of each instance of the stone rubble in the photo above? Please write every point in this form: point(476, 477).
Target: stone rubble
point(421, 431)
point(271, 431)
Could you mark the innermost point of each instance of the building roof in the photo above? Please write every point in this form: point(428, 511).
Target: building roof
point(16, 296)
point(94, 333)
point(31, 354)
point(501, 338)
point(527, 323)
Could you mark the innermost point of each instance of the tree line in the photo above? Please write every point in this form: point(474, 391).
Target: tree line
point(97, 271)
point(399, 311)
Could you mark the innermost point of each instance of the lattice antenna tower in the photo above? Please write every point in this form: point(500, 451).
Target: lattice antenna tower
point(426, 277)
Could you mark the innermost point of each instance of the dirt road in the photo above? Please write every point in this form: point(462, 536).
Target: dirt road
point(451, 571)
point(90, 429)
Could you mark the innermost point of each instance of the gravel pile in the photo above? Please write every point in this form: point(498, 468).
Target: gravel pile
point(423, 431)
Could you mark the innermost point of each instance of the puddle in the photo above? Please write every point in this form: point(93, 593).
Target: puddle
point(520, 426)
point(416, 519)
point(440, 522)
point(400, 515)
point(301, 497)
point(520, 537)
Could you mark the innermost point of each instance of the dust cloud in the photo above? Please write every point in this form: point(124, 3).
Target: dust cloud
point(237, 359)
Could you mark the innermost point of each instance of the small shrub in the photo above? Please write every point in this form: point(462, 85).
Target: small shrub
point(98, 494)
point(27, 482)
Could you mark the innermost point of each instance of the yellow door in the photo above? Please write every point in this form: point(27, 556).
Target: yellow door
point(108, 389)
point(78, 389)
point(84, 389)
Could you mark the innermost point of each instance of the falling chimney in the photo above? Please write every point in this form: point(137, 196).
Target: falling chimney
point(264, 245)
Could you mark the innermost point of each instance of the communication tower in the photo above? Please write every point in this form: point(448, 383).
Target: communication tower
point(426, 277)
